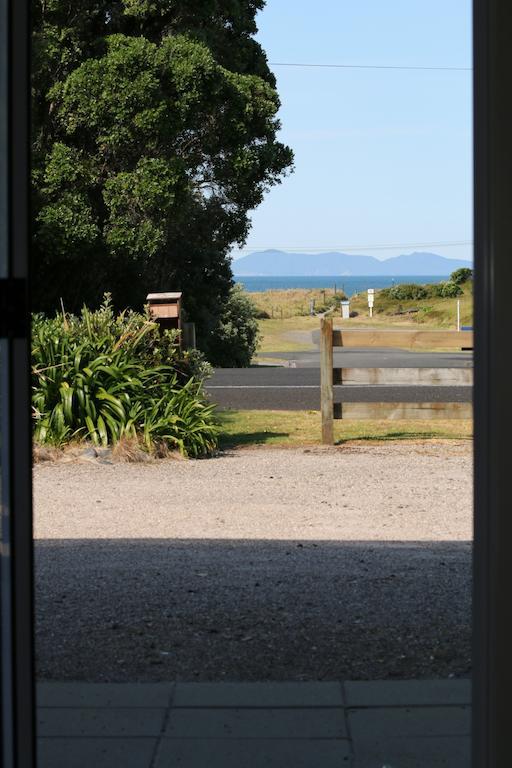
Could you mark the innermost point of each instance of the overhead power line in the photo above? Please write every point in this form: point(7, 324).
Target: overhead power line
point(374, 247)
point(370, 66)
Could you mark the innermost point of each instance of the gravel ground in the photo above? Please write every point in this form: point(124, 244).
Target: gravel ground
point(267, 564)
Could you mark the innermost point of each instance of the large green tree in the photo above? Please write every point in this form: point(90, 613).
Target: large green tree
point(154, 136)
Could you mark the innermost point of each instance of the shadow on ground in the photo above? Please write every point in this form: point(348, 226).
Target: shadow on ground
point(397, 435)
point(119, 610)
point(237, 439)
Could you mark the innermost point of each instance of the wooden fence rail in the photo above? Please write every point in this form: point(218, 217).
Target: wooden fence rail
point(401, 339)
point(398, 339)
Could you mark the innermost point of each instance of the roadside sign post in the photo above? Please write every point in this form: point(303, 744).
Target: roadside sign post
point(371, 296)
point(345, 310)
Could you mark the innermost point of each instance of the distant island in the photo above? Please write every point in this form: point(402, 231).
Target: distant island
point(280, 263)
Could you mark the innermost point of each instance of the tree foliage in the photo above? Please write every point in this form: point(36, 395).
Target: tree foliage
point(154, 137)
point(235, 338)
point(461, 275)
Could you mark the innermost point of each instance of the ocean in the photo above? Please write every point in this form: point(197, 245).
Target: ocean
point(349, 285)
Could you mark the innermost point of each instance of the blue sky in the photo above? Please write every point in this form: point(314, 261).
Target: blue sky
point(381, 156)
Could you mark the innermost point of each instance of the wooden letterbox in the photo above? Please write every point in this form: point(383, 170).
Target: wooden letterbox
point(165, 309)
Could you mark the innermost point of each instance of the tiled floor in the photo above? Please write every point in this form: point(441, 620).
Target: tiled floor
point(403, 724)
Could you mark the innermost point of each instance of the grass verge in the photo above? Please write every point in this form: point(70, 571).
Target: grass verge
point(295, 428)
point(290, 335)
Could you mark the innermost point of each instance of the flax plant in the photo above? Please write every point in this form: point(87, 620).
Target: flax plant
point(104, 377)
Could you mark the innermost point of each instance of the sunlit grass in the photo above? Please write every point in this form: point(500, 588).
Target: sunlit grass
point(295, 428)
point(280, 335)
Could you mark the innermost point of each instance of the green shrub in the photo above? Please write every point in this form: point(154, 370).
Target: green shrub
point(105, 377)
point(407, 291)
point(449, 290)
point(234, 340)
point(334, 301)
point(444, 290)
point(461, 275)
point(435, 290)
point(262, 314)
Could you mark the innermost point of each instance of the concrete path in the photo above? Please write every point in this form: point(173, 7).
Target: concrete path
point(406, 724)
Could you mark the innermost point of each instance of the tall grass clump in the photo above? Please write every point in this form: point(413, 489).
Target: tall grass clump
point(105, 377)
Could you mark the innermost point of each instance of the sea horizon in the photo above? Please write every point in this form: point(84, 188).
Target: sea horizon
point(348, 284)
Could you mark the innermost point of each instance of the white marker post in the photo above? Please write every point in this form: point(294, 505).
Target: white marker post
point(371, 296)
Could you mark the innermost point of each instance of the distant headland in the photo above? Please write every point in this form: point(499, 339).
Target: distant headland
point(275, 263)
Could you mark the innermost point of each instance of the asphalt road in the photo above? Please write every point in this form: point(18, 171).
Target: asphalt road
point(377, 357)
point(298, 388)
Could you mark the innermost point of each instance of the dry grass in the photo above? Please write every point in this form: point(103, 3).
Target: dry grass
point(126, 451)
point(284, 335)
point(294, 302)
point(438, 312)
point(42, 453)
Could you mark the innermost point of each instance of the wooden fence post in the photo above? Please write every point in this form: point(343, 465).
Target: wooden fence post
point(326, 381)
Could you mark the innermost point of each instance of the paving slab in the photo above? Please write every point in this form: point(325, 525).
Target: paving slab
point(380, 724)
point(249, 753)
point(78, 694)
point(417, 724)
point(92, 721)
point(95, 753)
point(437, 752)
point(399, 693)
point(307, 694)
point(298, 723)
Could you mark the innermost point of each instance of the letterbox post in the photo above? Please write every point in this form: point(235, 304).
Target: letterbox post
point(165, 309)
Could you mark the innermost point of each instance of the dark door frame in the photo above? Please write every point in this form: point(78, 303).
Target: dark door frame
point(492, 678)
point(493, 416)
point(17, 735)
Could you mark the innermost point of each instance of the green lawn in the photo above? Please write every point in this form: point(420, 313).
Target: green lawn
point(296, 428)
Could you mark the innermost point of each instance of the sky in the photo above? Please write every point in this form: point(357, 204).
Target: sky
point(382, 156)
